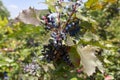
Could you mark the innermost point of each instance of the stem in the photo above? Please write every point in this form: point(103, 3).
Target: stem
point(74, 10)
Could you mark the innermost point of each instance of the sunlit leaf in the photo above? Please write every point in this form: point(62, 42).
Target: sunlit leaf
point(3, 22)
point(3, 63)
point(94, 4)
point(88, 19)
point(88, 36)
point(111, 1)
point(9, 30)
point(89, 60)
point(107, 61)
point(8, 60)
point(51, 5)
point(69, 41)
point(26, 77)
point(50, 1)
point(74, 78)
point(90, 3)
point(97, 6)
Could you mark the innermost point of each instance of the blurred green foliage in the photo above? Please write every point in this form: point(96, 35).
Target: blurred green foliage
point(3, 11)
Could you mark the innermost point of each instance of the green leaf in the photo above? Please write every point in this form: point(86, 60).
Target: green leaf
point(88, 36)
point(86, 24)
point(89, 60)
point(3, 63)
point(26, 77)
point(110, 1)
point(74, 56)
point(94, 5)
point(52, 8)
point(90, 3)
point(107, 61)
point(93, 43)
point(74, 78)
point(86, 20)
point(69, 41)
point(50, 1)
point(51, 5)
point(8, 60)
point(25, 52)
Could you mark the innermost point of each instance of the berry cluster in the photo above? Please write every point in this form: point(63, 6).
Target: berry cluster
point(57, 37)
point(31, 68)
point(56, 50)
point(73, 27)
point(6, 76)
point(56, 53)
point(50, 21)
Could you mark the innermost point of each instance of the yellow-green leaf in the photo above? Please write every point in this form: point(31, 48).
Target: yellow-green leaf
point(90, 3)
point(111, 1)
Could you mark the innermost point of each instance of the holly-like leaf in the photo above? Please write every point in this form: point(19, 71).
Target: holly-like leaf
point(29, 16)
point(89, 60)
